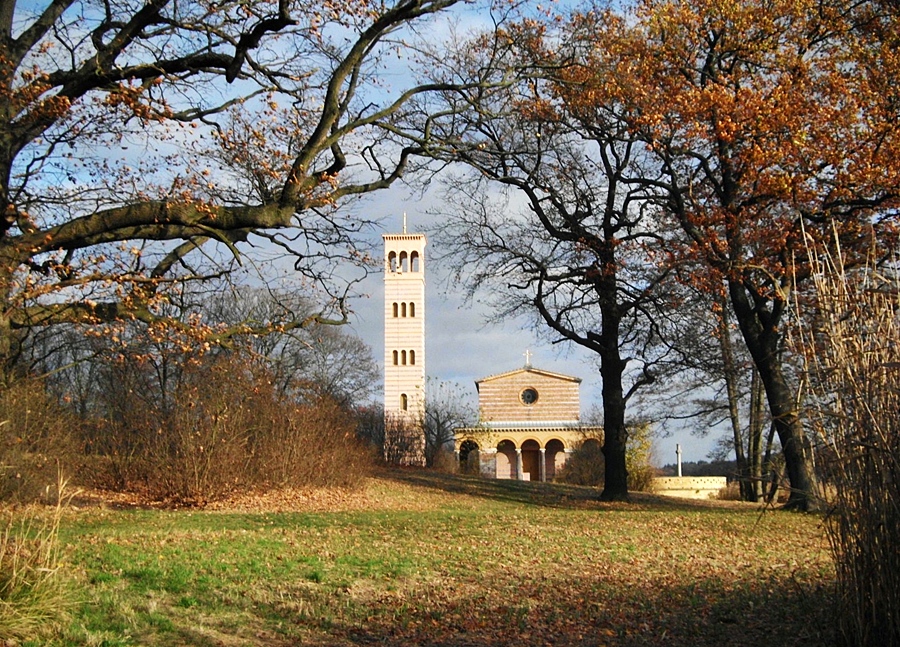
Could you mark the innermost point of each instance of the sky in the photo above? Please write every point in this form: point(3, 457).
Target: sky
point(461, 346)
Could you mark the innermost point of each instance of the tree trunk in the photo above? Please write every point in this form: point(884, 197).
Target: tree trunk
point(731, 388)
point(615, 435)
point(754, 437)
point(760, 330)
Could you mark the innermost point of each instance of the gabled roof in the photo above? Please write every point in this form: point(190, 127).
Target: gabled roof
point(527, 369)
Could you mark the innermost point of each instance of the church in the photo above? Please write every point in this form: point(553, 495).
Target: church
point(529, 419)
point(529, 422)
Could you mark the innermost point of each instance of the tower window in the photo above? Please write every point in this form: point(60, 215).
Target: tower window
point(403, 357)
point(403, 309)
point(395, 309)
point(412, 309)
point(404, 262)
point(404, 402)
point(396, 356)
point(414, 261)
point(392, 261)
point(412, 357)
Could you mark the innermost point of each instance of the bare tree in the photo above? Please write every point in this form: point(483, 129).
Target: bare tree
point(446, 409)
point(315, 360)
point(579, 252)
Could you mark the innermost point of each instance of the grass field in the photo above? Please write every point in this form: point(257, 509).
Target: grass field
point(423, 559)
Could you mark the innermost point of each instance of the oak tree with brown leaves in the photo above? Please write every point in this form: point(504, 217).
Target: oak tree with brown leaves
point(774, 126)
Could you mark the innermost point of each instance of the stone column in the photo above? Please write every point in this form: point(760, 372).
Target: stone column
point(543, 466)
point(519, 474)
point(488, 460)
point(456, 458)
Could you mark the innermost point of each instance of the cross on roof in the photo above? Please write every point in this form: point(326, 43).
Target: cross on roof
point(527, 354)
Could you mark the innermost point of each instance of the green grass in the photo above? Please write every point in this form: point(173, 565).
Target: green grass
point(452, 561)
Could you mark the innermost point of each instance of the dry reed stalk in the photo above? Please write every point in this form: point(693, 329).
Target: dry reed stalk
point(852, 348)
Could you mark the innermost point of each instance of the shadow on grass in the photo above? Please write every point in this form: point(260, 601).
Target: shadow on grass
point(552, 495)
point(586, 611)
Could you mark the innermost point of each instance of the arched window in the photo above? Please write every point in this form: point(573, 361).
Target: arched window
point(404, 262)
point(412, 357)
point(404, 402)
point(403, 357)
point(396, 356)
point(392, 261)
point(403, 309)
point(395, 309)
point(412, 309)
point(414, 261)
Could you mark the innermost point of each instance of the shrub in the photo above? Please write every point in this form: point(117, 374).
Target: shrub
point(35, 441)
point(731, 492)
point(586, 465)
point(313, 444)
point(228, 428)
point(445, 462)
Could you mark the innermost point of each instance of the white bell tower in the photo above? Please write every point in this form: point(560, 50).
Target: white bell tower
point(404, 347)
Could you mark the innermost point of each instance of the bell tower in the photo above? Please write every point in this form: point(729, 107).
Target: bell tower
point(404, 347)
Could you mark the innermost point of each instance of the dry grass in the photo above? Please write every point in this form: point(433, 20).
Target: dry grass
point(419, 558)
point(35, 596)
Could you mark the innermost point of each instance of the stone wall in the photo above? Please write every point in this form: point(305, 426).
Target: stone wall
point(502, 398)
point(689, 487)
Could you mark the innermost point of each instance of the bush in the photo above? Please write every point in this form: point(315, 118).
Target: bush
point(229, 429)
point(36, 442)
point(446, 463)
point(586, 465)
point(314, 444)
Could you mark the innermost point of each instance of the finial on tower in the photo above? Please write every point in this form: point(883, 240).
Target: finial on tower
point(527, 354)
point(404, 222)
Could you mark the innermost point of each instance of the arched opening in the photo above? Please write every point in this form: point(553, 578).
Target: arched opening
point(469, 457)
point(395, 309)
point(506, 460)
point(403, 357)
point(531, 460)
point(396, 358)
point(403, 309)
point(412, 358)
point(404, 262)
point(554, 450)
point(392, 261)
point(412, 309)
point(404, 402)
point(414, 261)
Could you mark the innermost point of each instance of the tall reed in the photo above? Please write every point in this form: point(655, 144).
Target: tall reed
point(851, 341)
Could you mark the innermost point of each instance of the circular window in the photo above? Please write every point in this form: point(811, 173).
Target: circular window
point(529, 396)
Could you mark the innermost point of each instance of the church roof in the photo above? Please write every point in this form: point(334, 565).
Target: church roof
point(528, 369)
